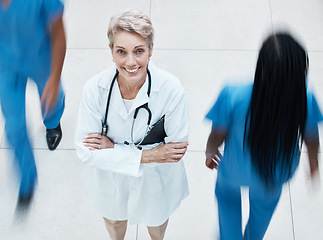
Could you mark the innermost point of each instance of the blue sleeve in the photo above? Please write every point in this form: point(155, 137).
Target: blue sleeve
point(220, 112)
point(51, 10)
point(314, 116)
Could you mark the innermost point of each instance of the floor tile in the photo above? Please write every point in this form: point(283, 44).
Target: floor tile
point(87, 21)
point(302, 17)
point(35, 127)
point(315, 75)
point(202, 86)
point(80, 66)
point(59, 209)
point(206, 45)
point(316, 83)
point(196, 216)
point(218, 24)
point(307, 205)
point(203, 82)
point(281, 225)
point(281, 217)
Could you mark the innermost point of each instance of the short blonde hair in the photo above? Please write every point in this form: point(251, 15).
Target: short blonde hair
point(131, 21)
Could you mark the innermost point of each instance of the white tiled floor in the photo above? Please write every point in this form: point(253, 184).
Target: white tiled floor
point(205, 43)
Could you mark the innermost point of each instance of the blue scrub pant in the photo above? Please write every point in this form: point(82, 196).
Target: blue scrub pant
point(12, 98)
point(262, 205)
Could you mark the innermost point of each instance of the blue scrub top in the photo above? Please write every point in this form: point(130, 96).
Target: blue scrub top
point(25, 41)
point(228, 114)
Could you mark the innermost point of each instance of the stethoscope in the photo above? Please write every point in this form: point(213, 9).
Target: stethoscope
point(143, 106)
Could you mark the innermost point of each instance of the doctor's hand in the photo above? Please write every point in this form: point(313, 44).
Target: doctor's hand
point(96, 141)
point(165, 153)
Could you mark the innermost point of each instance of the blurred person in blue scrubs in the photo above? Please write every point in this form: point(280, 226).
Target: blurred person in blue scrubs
point(263, 125)
point(32, 45)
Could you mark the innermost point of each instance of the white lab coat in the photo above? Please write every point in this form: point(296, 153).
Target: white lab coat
point(117, 184)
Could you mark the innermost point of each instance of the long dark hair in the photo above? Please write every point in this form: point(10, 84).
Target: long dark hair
point(277, 112)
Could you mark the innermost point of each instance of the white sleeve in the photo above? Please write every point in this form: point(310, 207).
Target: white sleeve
point(177, 118)
point(121, 159)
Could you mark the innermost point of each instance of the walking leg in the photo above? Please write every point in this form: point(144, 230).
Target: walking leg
point(53, 116)
point(262, 206)
point(12, 96)
point(229, 209)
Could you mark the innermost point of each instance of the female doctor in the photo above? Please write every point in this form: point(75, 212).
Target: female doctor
point(129, 181)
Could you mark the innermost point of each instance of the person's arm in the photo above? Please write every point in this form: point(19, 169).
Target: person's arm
point(212, 153)
point(58, 50)
point(313, 148)
point(163, 153)
point(176, 126)
point(100, 152)
point(311, 136)
point(113, 157)
point(220, 117)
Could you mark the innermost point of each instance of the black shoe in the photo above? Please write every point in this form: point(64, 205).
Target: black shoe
point(24, 201)
point(24, 205)
point(53, 137)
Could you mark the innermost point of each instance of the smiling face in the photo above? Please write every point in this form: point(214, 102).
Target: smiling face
point(131, 53)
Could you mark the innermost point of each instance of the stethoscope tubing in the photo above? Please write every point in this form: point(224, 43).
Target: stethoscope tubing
point(145, 106)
